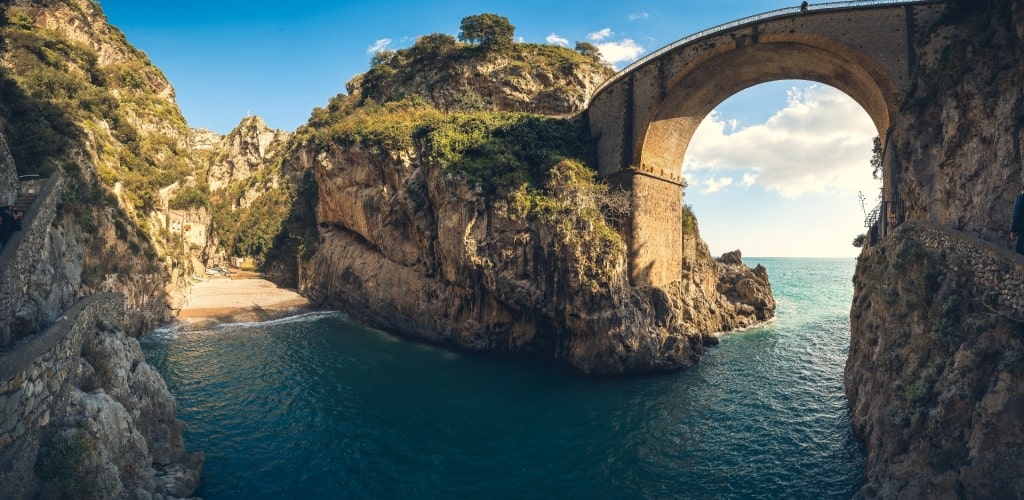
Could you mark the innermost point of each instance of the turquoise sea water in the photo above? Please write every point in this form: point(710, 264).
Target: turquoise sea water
point(318, 407)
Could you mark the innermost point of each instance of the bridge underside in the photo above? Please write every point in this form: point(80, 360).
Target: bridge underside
point(699, 90)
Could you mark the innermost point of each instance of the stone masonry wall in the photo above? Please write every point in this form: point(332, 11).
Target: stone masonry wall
point(987, 265)
point(20, 259)
point(36, 377)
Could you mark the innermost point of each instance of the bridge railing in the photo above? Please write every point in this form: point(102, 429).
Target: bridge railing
point(783, 12)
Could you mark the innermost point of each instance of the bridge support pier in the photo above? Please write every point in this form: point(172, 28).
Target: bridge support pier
point(654, 234)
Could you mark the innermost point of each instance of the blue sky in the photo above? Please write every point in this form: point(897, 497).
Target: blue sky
point(775, 171)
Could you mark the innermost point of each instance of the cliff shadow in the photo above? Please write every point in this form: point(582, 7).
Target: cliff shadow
point(298, 238)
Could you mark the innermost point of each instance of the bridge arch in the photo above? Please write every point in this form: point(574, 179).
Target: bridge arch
point(645, 116)
point(699, 89)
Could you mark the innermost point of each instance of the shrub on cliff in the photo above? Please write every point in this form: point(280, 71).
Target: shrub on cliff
point(190, 196)
point(492, 149)
point(578, 207)
point(59, 466)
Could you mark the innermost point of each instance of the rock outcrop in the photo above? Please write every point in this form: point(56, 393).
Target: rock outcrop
point(410, 248)
point(509, 254)
point(533, 78)
point(124, 407)
point(248, 150)
point(84, 416)
point(935, 377)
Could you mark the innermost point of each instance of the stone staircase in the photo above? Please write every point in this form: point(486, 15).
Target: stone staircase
point(27, 193)
point(24, 201)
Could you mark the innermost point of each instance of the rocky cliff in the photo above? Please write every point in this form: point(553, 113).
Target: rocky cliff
point(934, 377)
point(84, 416)
point(474, 228)
point(82, 107)
point(531, 78)
point(415, 251)
point(244, 153)
point(78, 98)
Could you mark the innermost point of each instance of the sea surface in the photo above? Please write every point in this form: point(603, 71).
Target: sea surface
point(316, 406)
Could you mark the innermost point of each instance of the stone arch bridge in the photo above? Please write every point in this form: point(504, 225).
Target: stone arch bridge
point(644, 116)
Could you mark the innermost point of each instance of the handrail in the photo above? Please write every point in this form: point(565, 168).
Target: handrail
point(772, 14)
point(873, 216)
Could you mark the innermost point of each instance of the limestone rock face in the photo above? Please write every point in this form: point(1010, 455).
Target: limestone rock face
point(240, 154)
point(934, 376)
point(412, 249)
point(125, 409)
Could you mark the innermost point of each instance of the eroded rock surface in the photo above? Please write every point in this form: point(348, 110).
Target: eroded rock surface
point(412, 249)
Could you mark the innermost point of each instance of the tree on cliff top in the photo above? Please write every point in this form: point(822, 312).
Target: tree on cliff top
point(588, 49)
point(491, 31)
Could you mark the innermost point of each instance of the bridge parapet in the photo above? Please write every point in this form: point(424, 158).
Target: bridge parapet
point(764, 16)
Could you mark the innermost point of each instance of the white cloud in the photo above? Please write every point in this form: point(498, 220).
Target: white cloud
point(619, 52)
point(819, 143)
point(712, 185)
point(638, 16)
point(379, 45)
point(557, 40)
point(600, 35)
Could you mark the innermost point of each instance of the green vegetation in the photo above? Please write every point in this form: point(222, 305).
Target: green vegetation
point(576, 206)
point(190, 196)
point(689, 220)
point(876, 157)
point(495, 150)
point(251, 231)
point(37, 132)
point(435, 61)
point(588, 49)
point(59, 466)
point(491, 31)
point(66, 77)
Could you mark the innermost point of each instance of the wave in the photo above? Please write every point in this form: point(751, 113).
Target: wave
point(306, 317)
point(207, 324)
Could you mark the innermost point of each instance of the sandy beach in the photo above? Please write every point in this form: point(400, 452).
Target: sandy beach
point(239, 299)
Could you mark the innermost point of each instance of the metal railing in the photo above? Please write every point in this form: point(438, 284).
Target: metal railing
point(872, 217)
point(772, 14)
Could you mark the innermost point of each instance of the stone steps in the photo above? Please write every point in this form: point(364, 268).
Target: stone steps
point(24, 202)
